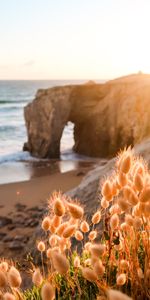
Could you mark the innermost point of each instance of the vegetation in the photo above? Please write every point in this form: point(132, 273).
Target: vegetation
point(111, 259)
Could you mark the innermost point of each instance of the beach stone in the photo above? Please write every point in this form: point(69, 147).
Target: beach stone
point(19, 238)
point(8, 239)
point(106, 117)
point(2, 235)
point(20, 207)
point(80, 173)
point(34, 223)
point(5, 221)
point(33, 208)
point(11, 227)
point(31, 222)
point(16, 245)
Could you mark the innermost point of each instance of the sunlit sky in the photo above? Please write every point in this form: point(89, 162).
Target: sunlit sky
point(74, 39)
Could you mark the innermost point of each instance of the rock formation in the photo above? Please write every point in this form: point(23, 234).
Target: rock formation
point(106, 117)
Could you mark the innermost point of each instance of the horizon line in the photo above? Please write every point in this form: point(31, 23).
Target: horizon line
point(46, 79)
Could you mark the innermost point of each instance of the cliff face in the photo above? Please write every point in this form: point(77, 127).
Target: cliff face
point(107, 117)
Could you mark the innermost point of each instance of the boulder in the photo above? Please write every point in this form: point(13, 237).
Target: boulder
point(106, 117)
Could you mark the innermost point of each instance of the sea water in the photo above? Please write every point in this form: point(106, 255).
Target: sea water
point(15, 164)
point(14, 96)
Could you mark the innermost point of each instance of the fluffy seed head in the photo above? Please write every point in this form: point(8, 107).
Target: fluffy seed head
point(69, 231)
point(63, 244)
point(127, 190)
point(14, 277)
point(37, 278)
point(117, 295)
point(97, 249)
point(56, 221)
point(52, 228)
point(89, 274)
point(137, 223)
point(49, 252)
point(84, 227)
point(129, 220)
point(123, 204)
point(4, 266)
point(114, 221)
point(104, 203)
point(53, 240)
point(124, 226)
point(106, 188)
point(8, 296)
point(125, 164)
point(96, 217)
point(75, 210)
point(115, 209)
point(60, 262)
point(109, 198)
point(47, 292)
point(46, 224)
point(61, 228)
point(124, 264)
point(130, 195)
point(92, 235)
point(114, 189)
point(79, 235)
point(59, 208)
point(68, 244)
point(99, 268)
point(41, 246)
point(3, 279)
point(73, 221)
point(140, 168)
point(140, 273)
point(122, 179)
point(145, 194)
point(133, 199)
point(87, 246)
point(121, 279)
point(76, 262)
point(87, 262)
point(138, 181)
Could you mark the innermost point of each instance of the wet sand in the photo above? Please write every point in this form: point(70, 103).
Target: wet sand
point(40, 181)
point(23, 203)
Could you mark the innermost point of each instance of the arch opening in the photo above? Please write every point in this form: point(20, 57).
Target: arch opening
point(67, 141)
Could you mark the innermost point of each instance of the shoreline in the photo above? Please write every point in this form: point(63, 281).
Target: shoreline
point(43, 179)
point(22, 171)
point(22, 205)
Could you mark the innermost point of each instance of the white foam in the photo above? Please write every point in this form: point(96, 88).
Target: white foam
point(17, 156)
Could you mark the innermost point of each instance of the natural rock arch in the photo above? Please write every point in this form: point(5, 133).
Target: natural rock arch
point(106, 117)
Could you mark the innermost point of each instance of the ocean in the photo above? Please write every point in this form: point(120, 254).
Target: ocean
point(14, 96)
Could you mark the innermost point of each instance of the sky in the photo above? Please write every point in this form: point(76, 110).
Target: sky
point(74, 39)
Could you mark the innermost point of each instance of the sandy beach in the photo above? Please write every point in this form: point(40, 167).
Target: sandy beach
point(22, 203)
point(35, 191)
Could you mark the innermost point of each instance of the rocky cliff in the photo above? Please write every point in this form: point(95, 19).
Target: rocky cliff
point(106, 117)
